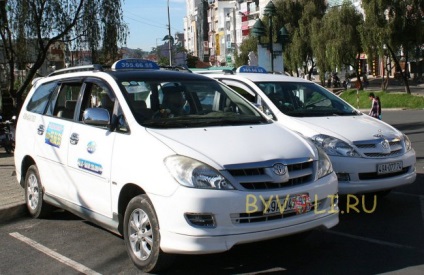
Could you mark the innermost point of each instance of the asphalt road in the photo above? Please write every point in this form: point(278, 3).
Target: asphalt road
point(389, 239)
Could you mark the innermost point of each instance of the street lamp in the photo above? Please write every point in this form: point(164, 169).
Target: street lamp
point(258, 30)
point(169, 38)
point(269, 10)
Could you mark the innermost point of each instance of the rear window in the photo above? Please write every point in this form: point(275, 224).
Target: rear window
point(40, 98)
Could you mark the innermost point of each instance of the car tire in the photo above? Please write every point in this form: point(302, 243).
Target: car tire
point(34, 192)
point(142, 237)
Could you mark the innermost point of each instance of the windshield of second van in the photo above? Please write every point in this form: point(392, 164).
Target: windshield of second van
point(181, 104)
point(305, 99)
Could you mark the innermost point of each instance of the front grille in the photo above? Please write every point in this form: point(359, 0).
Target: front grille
point(262, 178)
point(247, 172)
point(380, 155)
point(278, 185)
point(380, 147)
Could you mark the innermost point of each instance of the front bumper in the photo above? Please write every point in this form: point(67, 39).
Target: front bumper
point(180, 236)
point(359, 175)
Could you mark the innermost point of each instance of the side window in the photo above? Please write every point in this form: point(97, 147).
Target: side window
point(66, 101)
point(244, 93)
point(41, 97)
point(314, 99)
point(265, 108)
point(98, 95)
point(240, 88)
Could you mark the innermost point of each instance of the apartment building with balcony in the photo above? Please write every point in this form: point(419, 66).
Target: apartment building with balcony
point(215, 29)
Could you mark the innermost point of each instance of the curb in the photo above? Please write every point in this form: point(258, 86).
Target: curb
point(13, 212)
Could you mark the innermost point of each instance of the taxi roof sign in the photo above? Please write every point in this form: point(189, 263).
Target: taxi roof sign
point(135, 63)
point(251, 69)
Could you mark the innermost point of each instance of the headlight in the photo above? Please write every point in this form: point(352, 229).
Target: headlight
point(408, 145)
point(192, 173)
point(324, 164)
point(334, 146)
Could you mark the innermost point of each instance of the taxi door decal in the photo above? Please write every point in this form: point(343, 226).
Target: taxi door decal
point(54, 134)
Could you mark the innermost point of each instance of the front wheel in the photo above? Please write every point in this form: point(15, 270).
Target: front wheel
point(142, 238)
point(34, 194)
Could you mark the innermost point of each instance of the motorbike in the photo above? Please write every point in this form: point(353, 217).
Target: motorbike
point(7, 135)
point(347, 84)
point(336, 81)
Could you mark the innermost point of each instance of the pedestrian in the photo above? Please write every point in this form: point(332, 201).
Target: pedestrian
point(379, 107)
point(375, 106)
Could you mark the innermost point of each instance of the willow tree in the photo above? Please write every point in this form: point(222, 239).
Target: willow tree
point(393, 28)
point(297, 18)
point(336, 38)
point(95, 25)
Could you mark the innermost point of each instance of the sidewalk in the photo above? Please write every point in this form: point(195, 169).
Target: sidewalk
point(12, 195)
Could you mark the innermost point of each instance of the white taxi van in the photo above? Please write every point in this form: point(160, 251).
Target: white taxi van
point(176, 163)
point(368, 155)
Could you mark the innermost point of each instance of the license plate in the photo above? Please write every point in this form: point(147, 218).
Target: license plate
point(297, 203)
point(391, 167)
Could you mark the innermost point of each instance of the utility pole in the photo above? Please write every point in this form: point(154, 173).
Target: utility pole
point(170, 40)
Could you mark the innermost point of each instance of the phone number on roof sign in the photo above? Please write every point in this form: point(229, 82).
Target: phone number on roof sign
point(134, 64)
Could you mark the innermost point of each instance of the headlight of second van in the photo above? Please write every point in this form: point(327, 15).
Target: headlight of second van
point(334, 146)
point(324, 164)
point(192, 173)
point(408, 145)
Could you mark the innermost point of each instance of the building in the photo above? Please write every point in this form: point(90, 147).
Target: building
point(214, 29)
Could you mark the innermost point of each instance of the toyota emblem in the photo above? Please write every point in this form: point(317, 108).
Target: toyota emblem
point(279, 169)
point(385, 144)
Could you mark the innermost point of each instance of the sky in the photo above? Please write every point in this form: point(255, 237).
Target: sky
point(148, 21)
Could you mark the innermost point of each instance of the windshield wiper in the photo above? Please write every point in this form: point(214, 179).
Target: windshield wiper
point(200, 121)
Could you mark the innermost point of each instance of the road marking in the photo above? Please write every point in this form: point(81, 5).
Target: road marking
point(395, 245)
point(77, 266)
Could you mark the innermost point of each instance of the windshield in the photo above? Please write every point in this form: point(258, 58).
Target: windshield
point(188, 103)
point(305, 99)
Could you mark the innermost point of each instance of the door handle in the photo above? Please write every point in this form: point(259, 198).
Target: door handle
point(40, 129)
point(74, 139)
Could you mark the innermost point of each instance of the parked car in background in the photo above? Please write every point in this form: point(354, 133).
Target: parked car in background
point(176, 163)
point(368, 154)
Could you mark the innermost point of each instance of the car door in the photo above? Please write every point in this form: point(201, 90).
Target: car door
point(90, 153)
point(52, 141)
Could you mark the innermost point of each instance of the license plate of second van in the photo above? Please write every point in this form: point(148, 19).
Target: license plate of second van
point(390, 167)
point(299, 203)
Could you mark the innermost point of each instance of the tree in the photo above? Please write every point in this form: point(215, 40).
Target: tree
point(297, 18)
point(37, 25)
point(191, 61)
point(248, 45)
point(336, 39)
point(395, 26)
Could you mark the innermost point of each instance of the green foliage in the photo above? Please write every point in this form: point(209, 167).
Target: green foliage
point(336, 39)
point(248, 45)
point(191, 61)
point(388, 100)
point(31, 27)
point(298, 18)
point(163, 61)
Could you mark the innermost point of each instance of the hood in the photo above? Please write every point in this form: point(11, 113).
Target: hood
point(220, 146)
point(347, 128)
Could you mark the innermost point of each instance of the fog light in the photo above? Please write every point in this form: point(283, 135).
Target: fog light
point(343, 177)
point(202, 220)
point(336, 200)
